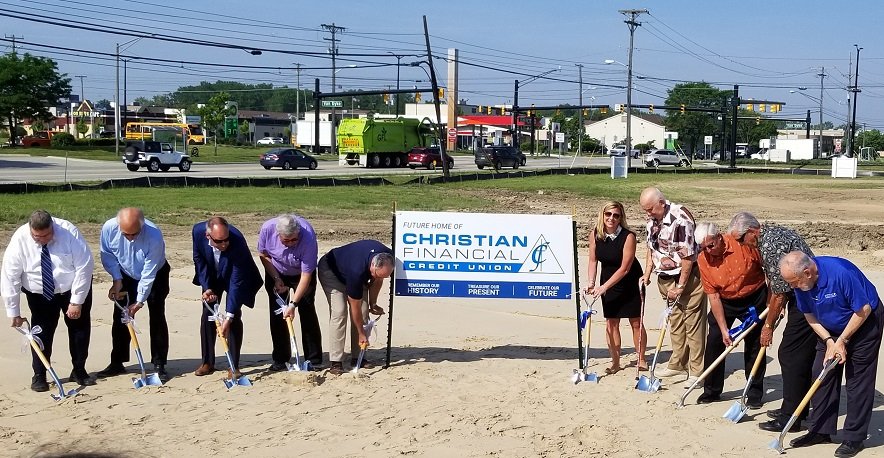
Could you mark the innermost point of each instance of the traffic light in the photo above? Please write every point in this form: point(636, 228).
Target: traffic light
point(621, 108)
point(441, 93)
point(417, 96)
point(775, 108)
point(386, 98)
point(750, 106)
point(489, 109)
point(758, 121)
point(761, 107)
point(528, 113)
point(651, 109)
point(585, 112)
point(603, 110)
point(682, 108)
point(479, 109)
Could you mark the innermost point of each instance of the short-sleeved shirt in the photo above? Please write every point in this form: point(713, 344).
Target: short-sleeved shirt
point(672, 237)
point(350, 264)
point(773, 243)
point(736, 274)
point(840, 291)
point(295, 260)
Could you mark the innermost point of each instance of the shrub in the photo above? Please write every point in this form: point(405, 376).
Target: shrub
point(63, 139)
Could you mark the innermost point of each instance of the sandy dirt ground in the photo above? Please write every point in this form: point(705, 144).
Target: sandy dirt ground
point(468, 377)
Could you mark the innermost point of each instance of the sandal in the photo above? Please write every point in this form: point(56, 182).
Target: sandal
point(612, 370)
point(643, 368)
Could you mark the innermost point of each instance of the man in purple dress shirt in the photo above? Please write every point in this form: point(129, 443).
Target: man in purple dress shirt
point(288, 250)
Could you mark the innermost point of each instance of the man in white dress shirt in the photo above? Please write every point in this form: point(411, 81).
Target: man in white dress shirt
point(49, 261)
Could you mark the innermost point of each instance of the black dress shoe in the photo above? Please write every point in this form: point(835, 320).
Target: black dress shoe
point(810, 439)
point(335, 368)
point(848, 449)
point(111, 370)
point(81, 377)
point(366, 364)
point(755, 404)
point(278, 366)
point(39, 383)
point(160, 369)
point(776, 426)
point(775, 414)
point(706, 398)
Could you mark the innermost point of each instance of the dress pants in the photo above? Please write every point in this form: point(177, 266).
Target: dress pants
point(339, 313)
point(311, 334)
point(733, 310)
point(208, 332)
point(687, 323)
point(45, 314)
point(861, 367)
point(159, 330)
point(796, 354)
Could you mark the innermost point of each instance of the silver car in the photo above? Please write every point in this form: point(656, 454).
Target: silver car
point(658, 157)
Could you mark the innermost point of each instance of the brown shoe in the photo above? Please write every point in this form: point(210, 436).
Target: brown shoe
point(232, 376)
point(336, 368)
point(204, 369)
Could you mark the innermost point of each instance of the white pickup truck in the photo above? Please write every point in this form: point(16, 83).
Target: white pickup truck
point(620, 150)
point(155, 156)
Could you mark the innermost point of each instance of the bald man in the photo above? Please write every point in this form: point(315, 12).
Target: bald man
point(134, 254)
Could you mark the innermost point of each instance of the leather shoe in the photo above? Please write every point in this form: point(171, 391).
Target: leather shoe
point(336, 368)
point(39, 383)
point(755, 404)
point(204, 369)
point(706, 398)
point(775, 414)
point(366, 364)
point(776, 426)
point(81, 377)
point(848, 449)
point(111, 370)
point(232, 376)
point(160, 369)
point(810, 439)
point(278, 366)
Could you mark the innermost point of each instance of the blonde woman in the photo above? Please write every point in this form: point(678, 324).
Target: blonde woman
point(612, 244)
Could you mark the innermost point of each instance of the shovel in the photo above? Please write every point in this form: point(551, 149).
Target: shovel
point(739, 408)
point(299, 366)
point(585, 321)
point(37, 344)
point(367, 328)
point(778, 443)
point(650, 383)
point(734, 344)
point(242, 380)
point(145, 379)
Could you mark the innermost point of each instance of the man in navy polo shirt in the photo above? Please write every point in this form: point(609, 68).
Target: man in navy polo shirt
point(844, 309)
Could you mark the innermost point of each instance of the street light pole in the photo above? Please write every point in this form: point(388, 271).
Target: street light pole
point(398, 60)
point(117, 106)
point(632, 26)
point(580, 112)
point(822, 74)
point(855, 90)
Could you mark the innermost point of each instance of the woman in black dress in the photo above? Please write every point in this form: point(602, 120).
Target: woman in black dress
point(612, 244)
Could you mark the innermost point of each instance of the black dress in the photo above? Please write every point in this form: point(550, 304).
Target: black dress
point(622, 300)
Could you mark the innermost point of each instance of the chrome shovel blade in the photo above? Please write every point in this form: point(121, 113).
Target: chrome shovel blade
point(777, 444)
point(736, 412)
point(591, 377)
point(648, 385)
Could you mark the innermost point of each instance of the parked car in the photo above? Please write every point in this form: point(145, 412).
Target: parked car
point(39, 139)
point(428, 157)
point(620, 150)
point(270, 141)
point(658, 157)
point(498, 156)
point(287, 159)
point(155, 156)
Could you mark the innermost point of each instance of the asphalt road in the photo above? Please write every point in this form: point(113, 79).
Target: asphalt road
point(15, 168)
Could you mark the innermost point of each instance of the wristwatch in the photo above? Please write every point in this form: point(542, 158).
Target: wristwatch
point(768, 325)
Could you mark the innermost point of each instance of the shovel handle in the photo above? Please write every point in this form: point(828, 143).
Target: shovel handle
point(221, 336)
point(131, 329)
point(290, 326)
point(40, 354)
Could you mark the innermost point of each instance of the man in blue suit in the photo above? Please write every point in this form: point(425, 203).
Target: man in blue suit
point(223, 263)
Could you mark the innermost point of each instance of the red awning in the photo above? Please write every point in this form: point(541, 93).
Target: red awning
point(487, 120)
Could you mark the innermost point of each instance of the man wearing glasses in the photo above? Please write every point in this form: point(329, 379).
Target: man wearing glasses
point(133, 252)
point(796, 351)
point(672, 252)
point(223, 263)
point(288, 250)
point(733, 280)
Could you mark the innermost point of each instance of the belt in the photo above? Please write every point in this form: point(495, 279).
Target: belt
point(667, 276)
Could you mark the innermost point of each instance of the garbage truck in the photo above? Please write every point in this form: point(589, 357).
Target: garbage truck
point(369, 142)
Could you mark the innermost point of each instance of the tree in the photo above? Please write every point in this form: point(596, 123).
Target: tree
point(871, 138)
point(29, 85)
point(692, 126)
point(82, 127)
point(103, 104)
point(214, 112)
point(38, 125)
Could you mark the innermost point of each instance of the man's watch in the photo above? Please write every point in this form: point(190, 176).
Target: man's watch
point(679, 286)
point(768, 325)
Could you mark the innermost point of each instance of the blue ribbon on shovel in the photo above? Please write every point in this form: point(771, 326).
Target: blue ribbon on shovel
point(584, 318)
point(750, 318)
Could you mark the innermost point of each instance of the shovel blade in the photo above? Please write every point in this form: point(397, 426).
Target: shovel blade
point(154, 379)
point(139, 382)
point(736, 412)
point(591, 377)
point(777, 444)
point(229, 383)
point(577, 377)
point(62, 395)
point(647, 384)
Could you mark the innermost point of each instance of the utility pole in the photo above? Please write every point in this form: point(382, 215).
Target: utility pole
point(13, 38)
point(446, 173)
point(855, 90)
point(82, 96)
point(631, 14)
point(580, 111)
point(333, 29)
point(117, 128)
point(297, 99)
point(398, 59)
point(849, 98)
point(125, 94)
point(821, 74)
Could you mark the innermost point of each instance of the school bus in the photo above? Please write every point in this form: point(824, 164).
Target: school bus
point(145, 131)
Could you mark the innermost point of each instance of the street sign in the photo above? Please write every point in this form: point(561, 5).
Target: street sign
point(560, 137)
point(707, 140)
point(332, 104)
point(837, 145)
point(452, 134)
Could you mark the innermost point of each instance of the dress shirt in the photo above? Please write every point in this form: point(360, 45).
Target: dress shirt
point(72, 265)
point(736, 274)
point(840, 291)
point(295, 260)
point(140, 258)
point(672, 237)
point(773, 243)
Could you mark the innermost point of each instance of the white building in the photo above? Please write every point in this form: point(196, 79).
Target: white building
point(613, 130)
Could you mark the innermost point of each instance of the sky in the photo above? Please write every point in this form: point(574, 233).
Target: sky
point(768, 47)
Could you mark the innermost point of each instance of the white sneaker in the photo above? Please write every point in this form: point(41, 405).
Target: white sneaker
point(690, 381)
point(669, 372)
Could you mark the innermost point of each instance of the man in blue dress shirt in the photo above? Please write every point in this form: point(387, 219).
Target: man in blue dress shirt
point(134, 254)
point(844, 309)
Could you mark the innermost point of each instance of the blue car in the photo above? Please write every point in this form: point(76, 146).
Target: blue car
point(287, 159)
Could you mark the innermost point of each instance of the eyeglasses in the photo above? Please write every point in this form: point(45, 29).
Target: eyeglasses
point(135, 234)
point(291, 240)
point(741, 238)
point(220, 241)
point(612, 215)
point(709, 245)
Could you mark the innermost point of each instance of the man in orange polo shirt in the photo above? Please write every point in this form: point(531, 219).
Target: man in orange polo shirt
point(733, 279)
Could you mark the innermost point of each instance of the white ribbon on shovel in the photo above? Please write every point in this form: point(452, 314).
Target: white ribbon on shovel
point(216, 314)
point(30, 334)
point(282, 303)
point(664, 316)
point(125, 318)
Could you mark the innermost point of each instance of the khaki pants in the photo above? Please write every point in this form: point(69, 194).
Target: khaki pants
point(339, 313)
point(687, 324)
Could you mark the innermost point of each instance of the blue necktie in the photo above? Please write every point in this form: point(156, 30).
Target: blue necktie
point(46, 272)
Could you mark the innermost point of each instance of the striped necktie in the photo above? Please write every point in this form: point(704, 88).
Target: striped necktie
point(46, 272)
